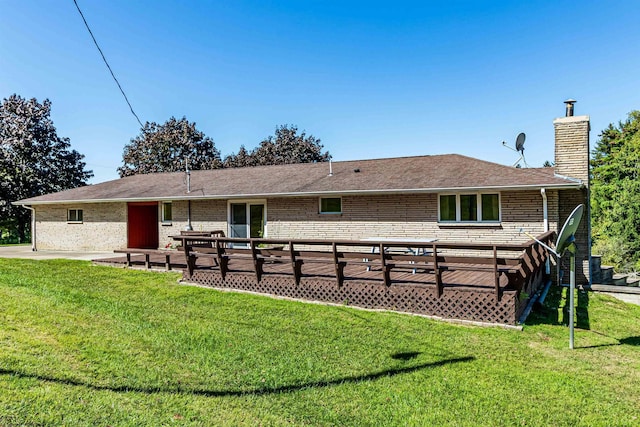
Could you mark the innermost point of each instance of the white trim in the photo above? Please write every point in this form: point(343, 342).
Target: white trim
point(164, 221)
point(75, 221)
point(479, 220)
point(239, 197)
point(329, 197)
point(247, 202)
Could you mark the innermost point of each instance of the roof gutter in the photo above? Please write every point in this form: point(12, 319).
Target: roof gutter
point(33, 227)
point(192, 196)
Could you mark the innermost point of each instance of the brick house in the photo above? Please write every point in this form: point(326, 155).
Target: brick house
point(448, 197)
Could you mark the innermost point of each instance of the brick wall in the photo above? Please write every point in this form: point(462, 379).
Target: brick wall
point(206, 215)
point(572, 147)
point(409, 216)
point(572, 160)
point(104, 227)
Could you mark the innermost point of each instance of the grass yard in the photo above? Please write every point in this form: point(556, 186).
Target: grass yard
point(89, 345)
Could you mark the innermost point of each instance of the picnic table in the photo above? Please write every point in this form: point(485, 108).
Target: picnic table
point(403, 242)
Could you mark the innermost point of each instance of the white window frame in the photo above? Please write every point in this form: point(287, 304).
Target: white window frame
point(479, 219)
point(162, 218)
point(248, 202)
point(320, 211)
point(76, 220)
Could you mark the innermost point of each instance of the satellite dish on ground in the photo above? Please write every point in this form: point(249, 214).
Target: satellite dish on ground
point(565, 238)
point(519, 148)
point(566, 242)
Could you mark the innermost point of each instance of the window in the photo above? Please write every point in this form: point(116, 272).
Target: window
point(331, 205)
point(167, 212)
point(470, 207)
point(448, 207)
point(74, 215)
point(490, 207)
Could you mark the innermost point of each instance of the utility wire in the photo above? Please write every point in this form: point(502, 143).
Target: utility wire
point(107, 64)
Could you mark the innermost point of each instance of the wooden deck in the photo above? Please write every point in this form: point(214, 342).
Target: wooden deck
point(476, 279)
point(490, 286)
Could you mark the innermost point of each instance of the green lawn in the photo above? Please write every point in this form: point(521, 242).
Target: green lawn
point(88, 345)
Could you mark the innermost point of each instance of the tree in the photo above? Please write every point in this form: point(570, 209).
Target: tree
point(240, 160)
point(163, 148)
point(34, 160)
point(285, 147)
point(615, 193)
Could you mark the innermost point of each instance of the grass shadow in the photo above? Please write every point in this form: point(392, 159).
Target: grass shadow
point(631, 341)
point(249, 392)
point(555, 310)
point(407, 355)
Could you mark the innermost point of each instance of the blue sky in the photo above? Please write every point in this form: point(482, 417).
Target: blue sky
point(370, 79)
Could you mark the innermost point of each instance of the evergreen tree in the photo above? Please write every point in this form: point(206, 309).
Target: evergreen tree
point(615, 193)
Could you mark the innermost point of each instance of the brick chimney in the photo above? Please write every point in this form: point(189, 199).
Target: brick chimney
point(572, 161)
point(572, 145)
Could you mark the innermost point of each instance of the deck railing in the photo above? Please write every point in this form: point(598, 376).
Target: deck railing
point(520, 263)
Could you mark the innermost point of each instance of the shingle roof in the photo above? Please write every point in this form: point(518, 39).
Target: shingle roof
point(449, 172)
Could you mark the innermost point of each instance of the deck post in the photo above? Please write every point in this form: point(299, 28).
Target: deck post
point(257, 262)
point(496, 273)
point(190, 259)
point(223, 260)
point(386, 269)
point(296, 264)
point(339, 266)
point(436, 271)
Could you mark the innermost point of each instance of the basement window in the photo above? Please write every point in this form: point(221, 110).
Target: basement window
point(167, 212)
point(330, 205)
point(74, 216)
point(469, 208)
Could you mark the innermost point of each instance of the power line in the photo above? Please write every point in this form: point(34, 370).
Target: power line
point(107, 64)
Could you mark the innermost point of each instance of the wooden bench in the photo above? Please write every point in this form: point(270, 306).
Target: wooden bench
point(147, 253)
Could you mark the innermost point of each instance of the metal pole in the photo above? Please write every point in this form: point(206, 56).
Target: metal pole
point(572, 287)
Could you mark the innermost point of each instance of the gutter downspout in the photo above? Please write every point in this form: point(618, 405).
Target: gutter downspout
point(545, 221)
point(540, 296)
point(545, 209)
point(188, 227)
point(33, 227)
point(188, 172)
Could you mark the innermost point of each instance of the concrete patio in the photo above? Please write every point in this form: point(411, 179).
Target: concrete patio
point(24, 251)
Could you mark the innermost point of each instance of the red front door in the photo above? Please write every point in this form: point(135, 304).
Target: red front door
point(142, 225)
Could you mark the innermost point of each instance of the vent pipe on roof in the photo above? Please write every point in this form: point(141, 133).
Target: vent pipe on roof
point(330, 168)
point(188, 172)
point(569, 103)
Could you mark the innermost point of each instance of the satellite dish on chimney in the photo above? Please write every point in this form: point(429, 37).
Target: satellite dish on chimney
point(519, 149)
point(566, 242)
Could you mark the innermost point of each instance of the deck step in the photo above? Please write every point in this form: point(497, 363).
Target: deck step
point(620, 279)
point(633, 280)
point(606, 272)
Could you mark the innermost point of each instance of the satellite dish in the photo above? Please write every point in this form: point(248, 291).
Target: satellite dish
point(566, 242)
point(520, 142)
point(519, 148)
point(565, 238)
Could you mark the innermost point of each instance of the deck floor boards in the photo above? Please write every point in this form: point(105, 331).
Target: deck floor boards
point(354, 272)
